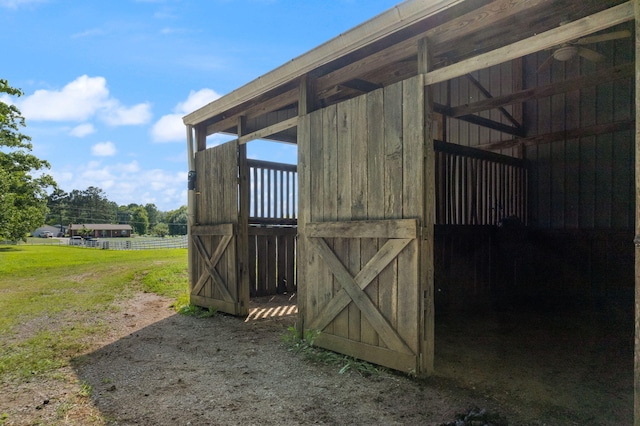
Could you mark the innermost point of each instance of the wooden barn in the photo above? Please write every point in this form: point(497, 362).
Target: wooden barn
point(453, 155)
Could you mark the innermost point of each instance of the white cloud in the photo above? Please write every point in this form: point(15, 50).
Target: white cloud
point(122, 116)
point(84, 98)
point(77, 101)
point(104, 149)
point(127, 183)
point(196, 100)
point(82, 130)
point(170, 128)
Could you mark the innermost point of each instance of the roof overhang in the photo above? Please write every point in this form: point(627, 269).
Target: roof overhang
point(400, 16)
point(463, 35)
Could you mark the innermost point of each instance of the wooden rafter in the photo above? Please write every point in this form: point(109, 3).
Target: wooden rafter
point(603, 76)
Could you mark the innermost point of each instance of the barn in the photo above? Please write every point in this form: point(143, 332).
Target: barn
point(453, 156)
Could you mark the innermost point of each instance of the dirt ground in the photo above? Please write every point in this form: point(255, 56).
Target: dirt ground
point(156, 367)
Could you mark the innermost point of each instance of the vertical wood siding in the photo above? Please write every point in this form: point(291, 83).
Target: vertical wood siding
point(582, 183)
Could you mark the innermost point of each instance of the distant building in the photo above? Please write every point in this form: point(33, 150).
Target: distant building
point(100, 230)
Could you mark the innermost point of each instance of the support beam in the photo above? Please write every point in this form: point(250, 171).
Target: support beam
point(563, 34)
point(562, 135)
point(261, 108)
point(481, 121)
point(201, 138)
point(269, 130)
point(488, 95)
point(361, 85)
point(191, 205)
point(636, 357)
point(243, 219)
point(427, 268)
point(306, 95)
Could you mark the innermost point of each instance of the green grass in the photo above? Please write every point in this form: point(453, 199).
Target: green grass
point(51, 298)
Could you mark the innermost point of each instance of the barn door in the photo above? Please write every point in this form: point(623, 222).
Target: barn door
point(216, 280)
point(360, 223)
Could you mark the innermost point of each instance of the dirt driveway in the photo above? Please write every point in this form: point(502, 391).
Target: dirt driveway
point(159, 368)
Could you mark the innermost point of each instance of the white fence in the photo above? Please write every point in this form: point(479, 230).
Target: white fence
point(139, 243)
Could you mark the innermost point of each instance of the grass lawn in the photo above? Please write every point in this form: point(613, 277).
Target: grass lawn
point(51, 298)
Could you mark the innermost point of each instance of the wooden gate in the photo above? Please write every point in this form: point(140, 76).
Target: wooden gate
point(216, 279)
point(361, 221)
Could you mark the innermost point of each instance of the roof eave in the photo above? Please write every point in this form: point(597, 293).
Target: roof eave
point(394, 19)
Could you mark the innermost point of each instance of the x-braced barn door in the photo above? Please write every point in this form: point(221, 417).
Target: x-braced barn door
point(361, 228)
point(216, 279)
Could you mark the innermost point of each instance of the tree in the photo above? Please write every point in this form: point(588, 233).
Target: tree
point(160, 230)
point(139, 220)
point(177, 221)
point(152, 213)
point(23, 196)
point(90, 206)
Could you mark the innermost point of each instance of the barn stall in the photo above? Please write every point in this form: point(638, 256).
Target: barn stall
point(454, 156)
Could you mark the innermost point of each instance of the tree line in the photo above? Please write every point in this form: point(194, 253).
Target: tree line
point(93, 206)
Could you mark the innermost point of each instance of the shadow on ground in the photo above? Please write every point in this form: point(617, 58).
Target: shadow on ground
point(226, 370)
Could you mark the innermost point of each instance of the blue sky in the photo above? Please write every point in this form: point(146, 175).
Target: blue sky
point(106, 83)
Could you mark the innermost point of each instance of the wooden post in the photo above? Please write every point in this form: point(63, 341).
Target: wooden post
point(191, 204)
point(427, 250)
point(636, 358)
point(306, 95)
point(243, 223)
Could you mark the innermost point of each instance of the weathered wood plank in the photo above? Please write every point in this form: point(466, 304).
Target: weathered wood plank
point(330, 202)
point(425, 257)
point(393, 196)
point(392, 228)
point(409, 299)
point(253, 265)
point(220, 229)
point(271, 265)
point(636, 357)
point(375, 354)
point(375, 200)
point(263, 265)
point(344, 162)
point(304, 202)
point(220, 305)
